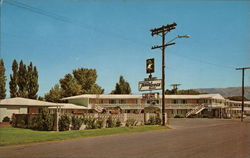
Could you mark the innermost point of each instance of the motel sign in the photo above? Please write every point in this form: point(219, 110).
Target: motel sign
point(150, 85)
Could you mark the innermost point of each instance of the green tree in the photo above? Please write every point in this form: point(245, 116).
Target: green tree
point(122, 87)
point(13, 80)
point(32, 82)
point(22, 80)
point(86, 78)
point(95, 89)
point(69, 86)
point(54, 95)
point(2, 80)
point(188, 92)
point(182, 92)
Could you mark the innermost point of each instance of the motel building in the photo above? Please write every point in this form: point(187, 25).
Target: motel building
point(19, 105)
point(203, 105)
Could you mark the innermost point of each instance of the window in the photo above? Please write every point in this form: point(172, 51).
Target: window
point(122, 101)
point(174, 101)
point(183, 101)
point(112, 101)
point(101, 101)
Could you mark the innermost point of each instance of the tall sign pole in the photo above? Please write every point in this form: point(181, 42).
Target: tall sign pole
point(163, 80)
point(163, 31)
point(243, 90)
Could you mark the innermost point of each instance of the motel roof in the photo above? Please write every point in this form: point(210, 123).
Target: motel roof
point(18, 101)
point(139, 96)
point(105, 96)
point(70, 106)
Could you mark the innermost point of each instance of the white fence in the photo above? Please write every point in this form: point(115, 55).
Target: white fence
point(139, 118)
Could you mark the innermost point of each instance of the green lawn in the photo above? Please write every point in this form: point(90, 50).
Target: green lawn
point(11, 136)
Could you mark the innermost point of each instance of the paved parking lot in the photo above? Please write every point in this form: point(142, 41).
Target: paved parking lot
point(189, 138)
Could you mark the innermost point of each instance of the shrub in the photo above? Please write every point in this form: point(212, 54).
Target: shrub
point(157, 120)
point(100, 123)
point(76, 122)
point(118, 123)
point(21, 120)
point(204, 115)
point(151, 121)
point(131, 122)
point(45, 120)
point(64, 122)
point(110, 123)
point(34, 122)
point(91, 123)
point(6, 119)
point(154, 120)
point(178, 116)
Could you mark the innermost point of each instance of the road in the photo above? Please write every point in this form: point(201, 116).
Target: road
point(188, 138)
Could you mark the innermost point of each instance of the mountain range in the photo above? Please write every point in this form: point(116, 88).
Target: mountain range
point(226, 92)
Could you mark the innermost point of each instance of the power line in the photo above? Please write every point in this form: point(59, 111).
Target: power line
point(38, 11)
point(203, 61)
point(88, 27)
point(61, 18)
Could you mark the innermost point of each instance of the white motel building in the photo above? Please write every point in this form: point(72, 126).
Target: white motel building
point(204, 105)
point(209, 105)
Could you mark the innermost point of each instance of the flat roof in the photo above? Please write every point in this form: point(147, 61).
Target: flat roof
point(18, 101)
point(70, 106)
point(139, 96)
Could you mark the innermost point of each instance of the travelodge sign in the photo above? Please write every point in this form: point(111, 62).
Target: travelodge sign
point(150, 85)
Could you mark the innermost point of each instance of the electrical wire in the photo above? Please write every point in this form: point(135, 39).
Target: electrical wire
point(86, 26)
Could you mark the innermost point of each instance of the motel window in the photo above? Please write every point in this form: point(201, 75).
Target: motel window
point(174, 101)
point(183, 101)
point(122, 101)
point(101, 101)
point(112, 101)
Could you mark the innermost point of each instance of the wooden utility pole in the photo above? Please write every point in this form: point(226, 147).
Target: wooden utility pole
point(163, 31)
point(175, 87)
point(243, 89)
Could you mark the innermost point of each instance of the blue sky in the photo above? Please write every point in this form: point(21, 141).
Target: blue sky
point(113, 37)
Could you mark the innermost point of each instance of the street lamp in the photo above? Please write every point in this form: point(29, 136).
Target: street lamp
point(183, 36)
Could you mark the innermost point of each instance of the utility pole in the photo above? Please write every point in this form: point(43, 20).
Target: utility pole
point(243, 91)
point(175, 87)
point(163, 31)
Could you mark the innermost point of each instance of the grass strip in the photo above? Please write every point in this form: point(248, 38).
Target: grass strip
point(14, 136)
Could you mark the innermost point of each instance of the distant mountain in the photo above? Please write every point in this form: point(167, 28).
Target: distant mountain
point(226, 92)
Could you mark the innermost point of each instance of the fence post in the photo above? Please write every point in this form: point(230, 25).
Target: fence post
point(125, 117)
point(146, 117)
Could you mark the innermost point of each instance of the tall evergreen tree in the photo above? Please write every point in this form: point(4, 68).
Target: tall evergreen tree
point(69, 86)
point(13, 80)
point(32, 82)
point(22, 80)
point(54, 95)
point(2, 80)
point(122, 87)
point(96, 89)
